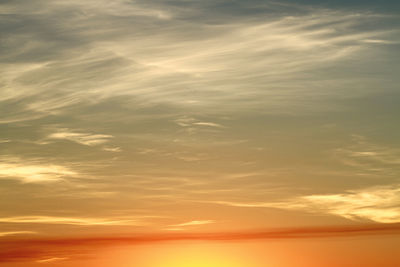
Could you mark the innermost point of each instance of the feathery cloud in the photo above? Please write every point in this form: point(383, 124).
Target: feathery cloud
point(193, 223)
point(67, 220)
point(30, 172)
point(51, 260)
point(86, 139)
point(167, 64)
point(378, 204)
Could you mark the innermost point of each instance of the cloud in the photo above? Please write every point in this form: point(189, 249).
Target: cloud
point(146, 52)
point(209, 124)
point(365, 154)
point(51, 260)
point(191, 122)
point(119, 8)
point(379, 204)
point(16, 250)
point(112, 149)
point(377, 41)
point(366, 158)
point(16, 233)
point(182, 226)
point(66, 220)
point(31, 172)
point(193, 223)
point(193, 126)
point(246, 204)
point(86, 139)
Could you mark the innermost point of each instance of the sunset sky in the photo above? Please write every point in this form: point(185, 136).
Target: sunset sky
point(209, 133)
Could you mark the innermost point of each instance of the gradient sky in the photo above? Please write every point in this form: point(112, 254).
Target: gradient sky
point(220, 133)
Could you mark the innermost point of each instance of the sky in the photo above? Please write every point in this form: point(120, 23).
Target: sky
point(214, 133)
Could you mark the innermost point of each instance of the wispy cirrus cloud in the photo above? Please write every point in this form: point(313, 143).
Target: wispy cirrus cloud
point(183, 226)
point(378, 204)
point(112, 149)
point(67, 220)
point(194, 223)
point(191, 123)
point(33, 172)
point(209, 124)
point(87, 139)
point(366, 155)
point(49, 260)
point(117, 8)
point(60, 65)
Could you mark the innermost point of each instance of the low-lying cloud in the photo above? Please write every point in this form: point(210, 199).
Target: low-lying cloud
point(58, 248)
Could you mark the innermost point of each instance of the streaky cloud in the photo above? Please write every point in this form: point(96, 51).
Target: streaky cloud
point(51, 260)
point(161, 63)
point(33, 172)
point(16, 250)
point(87, 139)
point(16, 233)
point(193, 223)
point(379, 204)
point(66, 220)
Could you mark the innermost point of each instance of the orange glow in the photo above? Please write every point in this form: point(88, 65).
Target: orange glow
point(180, 254)
point(203, 256)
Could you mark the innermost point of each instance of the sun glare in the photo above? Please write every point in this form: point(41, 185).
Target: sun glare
point(200, 261)
point(197, 255)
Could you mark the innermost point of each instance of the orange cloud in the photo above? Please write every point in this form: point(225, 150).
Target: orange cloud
point(14, 249)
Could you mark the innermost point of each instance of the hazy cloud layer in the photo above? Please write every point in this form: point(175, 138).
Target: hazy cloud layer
point(148, 51)
point(43, 248)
